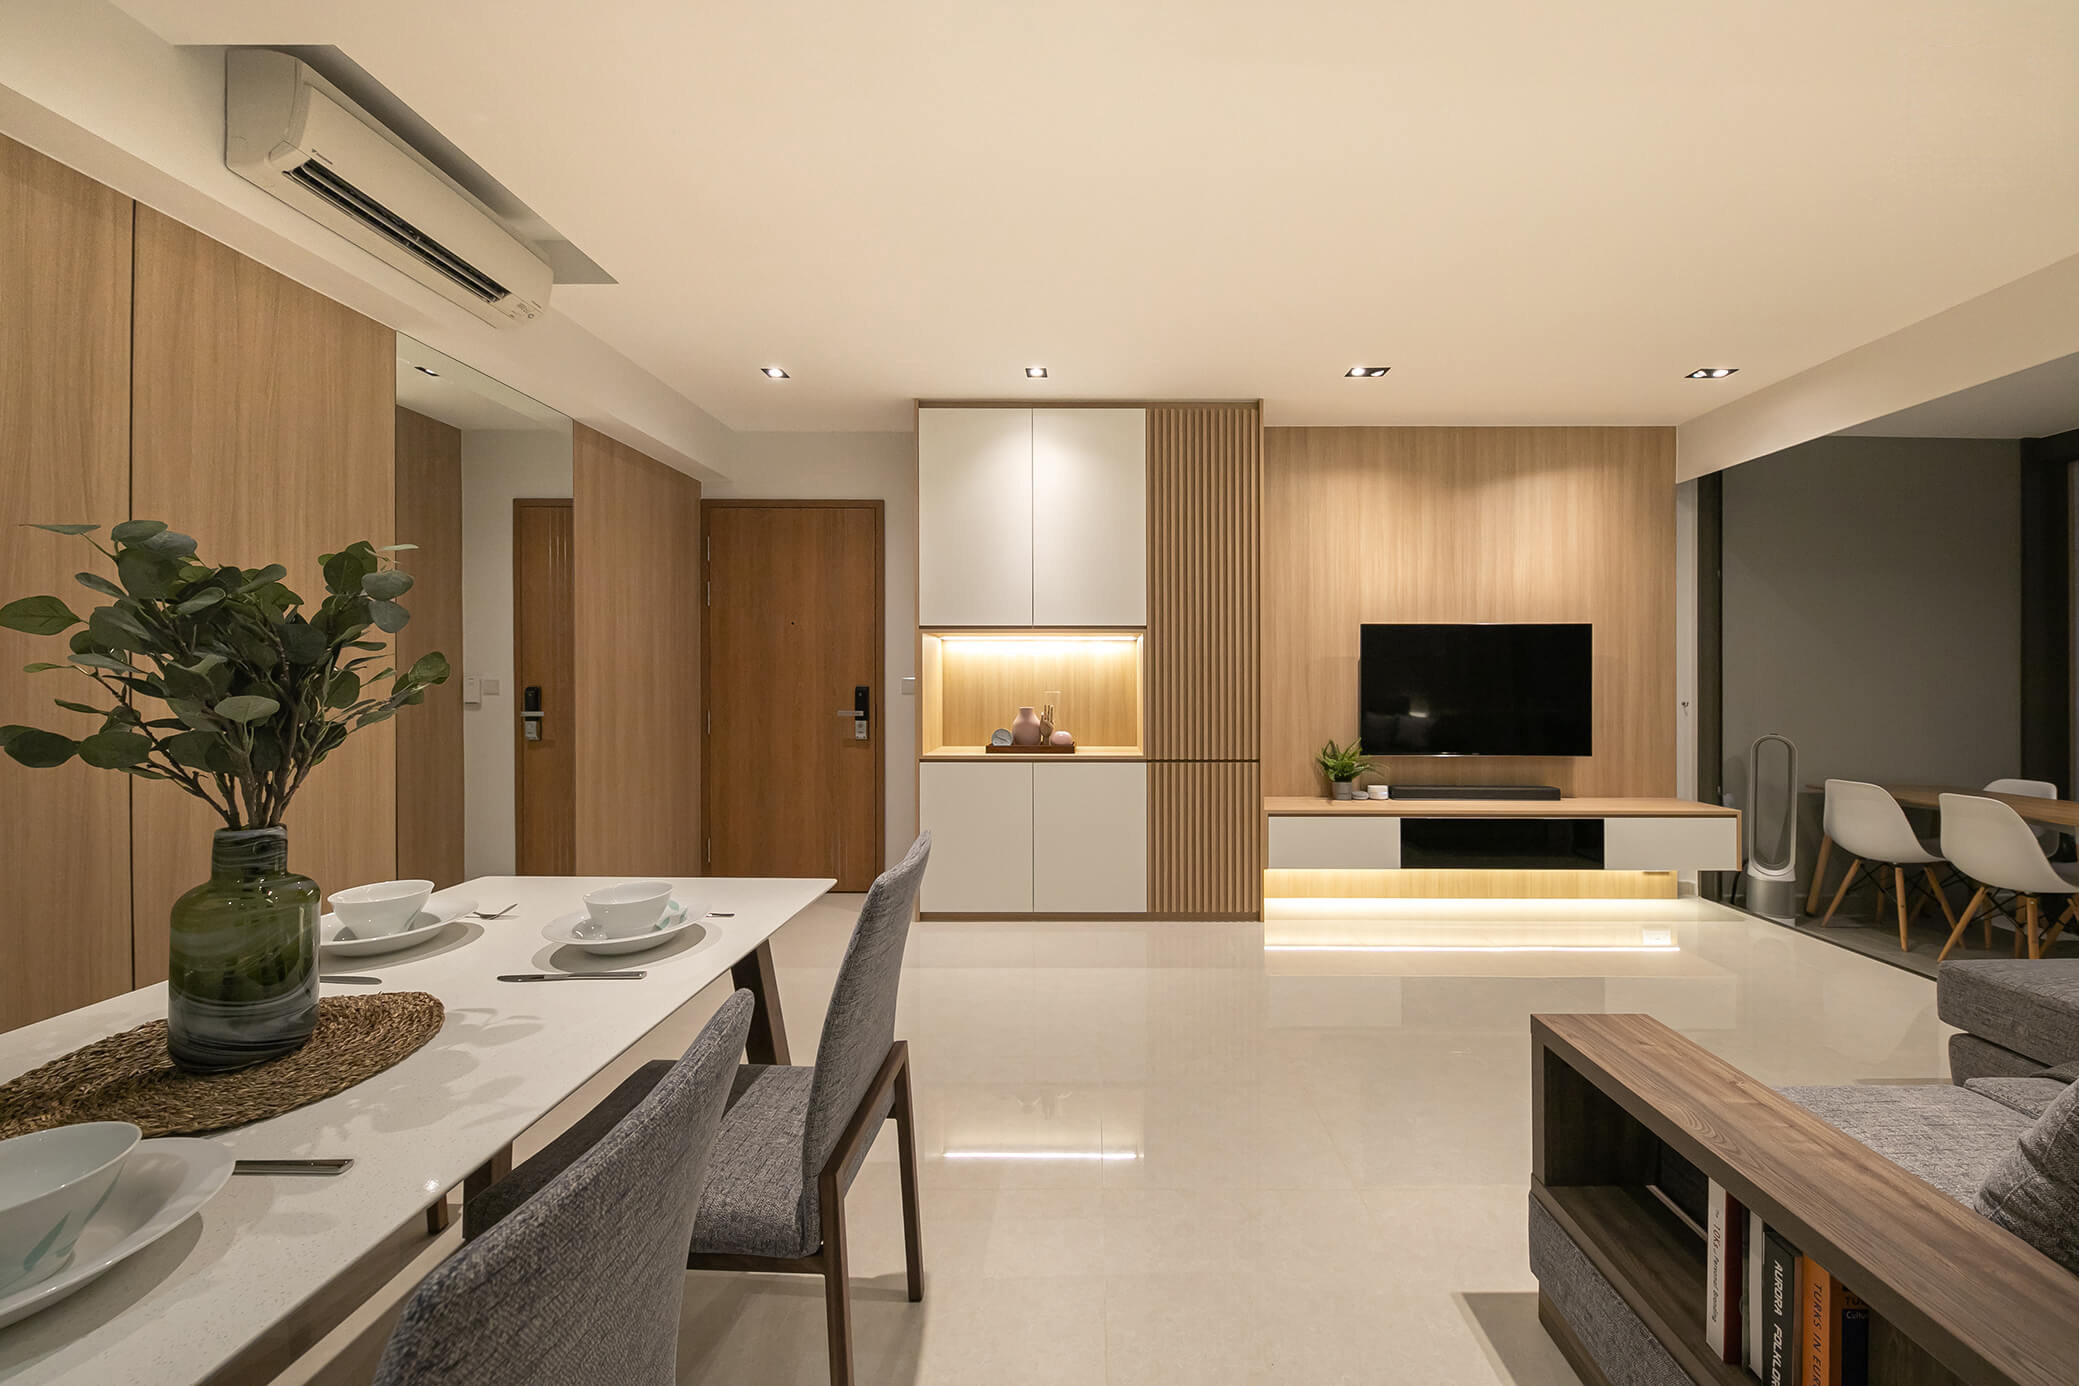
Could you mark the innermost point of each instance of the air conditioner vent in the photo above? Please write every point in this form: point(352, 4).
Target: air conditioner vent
point(396, 230)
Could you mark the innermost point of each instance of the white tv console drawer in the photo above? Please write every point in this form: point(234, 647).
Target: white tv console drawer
point(1671, 844)
point(1350, 843)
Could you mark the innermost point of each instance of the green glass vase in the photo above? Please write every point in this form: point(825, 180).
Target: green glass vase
point(243, 982)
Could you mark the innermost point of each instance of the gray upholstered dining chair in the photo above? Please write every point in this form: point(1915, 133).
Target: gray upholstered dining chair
point(582, 1279)
point(794, 1138)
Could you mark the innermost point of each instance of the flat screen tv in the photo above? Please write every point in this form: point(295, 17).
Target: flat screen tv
point(1477, 690)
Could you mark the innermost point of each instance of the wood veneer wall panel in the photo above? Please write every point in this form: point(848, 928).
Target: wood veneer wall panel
point(1205, 830)
point(429, 737)
point(1205, 466)
point(64, 457)
point(263, 423)
point(1470, 524)
point(983, 683)
point(637, 603)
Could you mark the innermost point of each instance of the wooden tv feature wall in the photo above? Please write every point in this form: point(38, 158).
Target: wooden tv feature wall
point(1109, 552)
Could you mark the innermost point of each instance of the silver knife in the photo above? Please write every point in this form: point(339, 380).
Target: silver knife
point(291, 1166)
point(349, 979)
point(572, 976)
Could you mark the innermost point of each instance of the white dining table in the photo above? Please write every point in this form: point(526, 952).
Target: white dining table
point(273, 1262)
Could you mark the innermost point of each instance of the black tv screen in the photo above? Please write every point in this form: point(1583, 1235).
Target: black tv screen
point(1477, 690)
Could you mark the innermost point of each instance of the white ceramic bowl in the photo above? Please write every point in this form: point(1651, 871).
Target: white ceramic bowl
point(628, 909)
point(51, 1182)
point(382, 908)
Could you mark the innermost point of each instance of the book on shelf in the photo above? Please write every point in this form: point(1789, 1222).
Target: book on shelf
point(1725, 1227)
point(1781, 1355)
point(1751, 1304)
point(1836, 1329)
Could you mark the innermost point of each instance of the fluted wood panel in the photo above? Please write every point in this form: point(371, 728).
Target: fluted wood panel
point(1205, 838)
point(263, 422)
point(64, 458)
point(636, 591)
point(1205, 525)
point(1470, 524)
point(429, 738)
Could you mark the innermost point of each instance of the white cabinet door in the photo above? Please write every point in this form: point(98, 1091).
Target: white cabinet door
point(1344, 842)
point(1672, 844)
point(980, 820)
point(974, 517)
point(1090, 517)
point(1090, 838)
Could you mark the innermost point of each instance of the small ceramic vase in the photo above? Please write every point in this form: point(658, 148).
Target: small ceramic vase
point(1025, 727)
point(1062, 738)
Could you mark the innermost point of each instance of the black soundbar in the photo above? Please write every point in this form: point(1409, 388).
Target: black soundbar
point(1473, 791)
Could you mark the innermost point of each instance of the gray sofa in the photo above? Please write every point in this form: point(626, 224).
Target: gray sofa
point(2019, 1052)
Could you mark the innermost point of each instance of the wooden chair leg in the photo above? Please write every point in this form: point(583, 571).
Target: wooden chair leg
point(1962, 924)
point(1826, 849)
point(837, 1282)
point(1847, 879)
point(2035, 922)
point(1986, 924)
point(1878, 917)
point(1898, 880)
point(906, 1153)
point(1934, 888)
point(2050, 939)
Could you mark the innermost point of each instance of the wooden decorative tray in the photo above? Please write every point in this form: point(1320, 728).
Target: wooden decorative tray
point(995, 750)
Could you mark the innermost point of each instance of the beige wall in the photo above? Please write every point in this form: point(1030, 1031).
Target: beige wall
point(1470, 524)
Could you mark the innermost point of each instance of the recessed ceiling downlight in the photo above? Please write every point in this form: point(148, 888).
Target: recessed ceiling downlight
point(1711, 372)
point(773, 373)
point(427, 370)
point(1365, 372)
point(1035, 372)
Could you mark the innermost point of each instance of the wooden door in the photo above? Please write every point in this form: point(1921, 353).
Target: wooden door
point(544, 661)
point(429, 737)
point(793, 630)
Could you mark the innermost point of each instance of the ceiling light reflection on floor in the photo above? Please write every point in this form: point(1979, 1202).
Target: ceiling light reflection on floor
point(1471, 948)
point(1106, 1155)
point(1304, 926)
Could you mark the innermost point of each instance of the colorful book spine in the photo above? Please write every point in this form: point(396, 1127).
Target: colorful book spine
point(1781, 1343)
point(1724, 1229)
point(1837, 1329)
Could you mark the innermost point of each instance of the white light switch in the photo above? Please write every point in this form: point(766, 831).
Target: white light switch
point(490, 688)
point(472, 691)
point(909, 687)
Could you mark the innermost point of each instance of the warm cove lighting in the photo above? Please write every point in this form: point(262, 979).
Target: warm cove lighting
point(1471, 948)
point(1048, 644)
point(1103, 1155)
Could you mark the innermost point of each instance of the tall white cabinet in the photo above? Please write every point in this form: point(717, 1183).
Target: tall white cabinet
point(1032, 517)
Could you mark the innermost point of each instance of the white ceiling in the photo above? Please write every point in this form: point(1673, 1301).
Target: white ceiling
point(1536, 213)
point(2034, 403)
point(464, 397)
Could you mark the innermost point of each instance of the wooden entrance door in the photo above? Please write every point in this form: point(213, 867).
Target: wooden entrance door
point(544, 670)
point(793, 634)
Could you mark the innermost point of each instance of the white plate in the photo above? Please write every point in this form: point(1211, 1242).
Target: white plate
point(164, 1181)
point(577, 930)
point(441, 910)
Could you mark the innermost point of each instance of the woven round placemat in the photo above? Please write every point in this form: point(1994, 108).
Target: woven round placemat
point(128, 1077)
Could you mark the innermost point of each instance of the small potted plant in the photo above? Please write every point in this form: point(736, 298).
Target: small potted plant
point(1342, 765)
point(219, 681)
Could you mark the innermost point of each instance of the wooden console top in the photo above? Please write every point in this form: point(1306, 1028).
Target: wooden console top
point(1295, 806)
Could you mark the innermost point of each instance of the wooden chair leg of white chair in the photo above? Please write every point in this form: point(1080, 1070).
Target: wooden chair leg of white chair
point(1898, 881)
point(1847, 879)
point(2035, 922)
point(1826, 849)
point(1934, 888)
point(1962, 924)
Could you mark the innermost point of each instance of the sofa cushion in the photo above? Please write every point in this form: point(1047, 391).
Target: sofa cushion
point(1949, 1136)
point(2033, 1191)
point(2028, 1005)
point(2028, 1096)
point(1971, 1057)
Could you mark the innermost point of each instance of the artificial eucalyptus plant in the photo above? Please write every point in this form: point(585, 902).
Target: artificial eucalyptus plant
point(253, 690)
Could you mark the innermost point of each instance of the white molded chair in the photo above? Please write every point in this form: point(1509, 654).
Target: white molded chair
point(2051, 838)
point(1870, 826)
point(1994, 846)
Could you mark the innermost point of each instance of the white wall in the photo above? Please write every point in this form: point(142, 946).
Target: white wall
point(1872, 612)
point(497, 469)
point(859, 466)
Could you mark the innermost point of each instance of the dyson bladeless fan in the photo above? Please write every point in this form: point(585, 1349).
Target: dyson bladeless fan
point(1771, 827)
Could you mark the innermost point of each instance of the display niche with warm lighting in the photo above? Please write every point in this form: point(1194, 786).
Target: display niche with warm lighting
point(974, 682)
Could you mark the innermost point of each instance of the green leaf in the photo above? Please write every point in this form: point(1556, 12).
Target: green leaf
point(136, 531)
point(263, 577)
point(267, 752)
point(91, 660)
point(81, 707)
point(11, 731)
point(344, 571)
point(40, 750)
point(113, 750)
point(97, 583)
point(146, 574)
point(201, 601)
point(117, 631)
point(40, 666)
point(345, 689)
point(169, 543)
point(66, 529)
point(305, 643)
point(387, 585)
point(388, 616)
point(194, 714)
point(38, 615)
point(395, 548)
point(429, 669)
point(247, 708)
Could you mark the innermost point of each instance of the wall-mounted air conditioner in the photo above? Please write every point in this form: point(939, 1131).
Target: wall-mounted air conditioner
point(289, 132)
